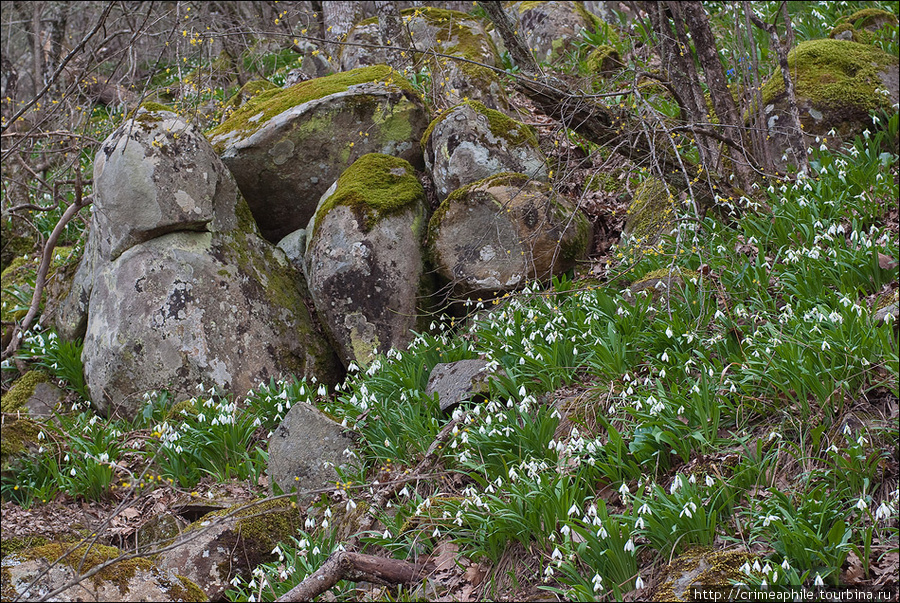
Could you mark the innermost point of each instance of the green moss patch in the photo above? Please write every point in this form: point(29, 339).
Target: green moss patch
point(266, 105)
point(21, 390)
point(836, 74)
point(375, 186)
point(84, 558)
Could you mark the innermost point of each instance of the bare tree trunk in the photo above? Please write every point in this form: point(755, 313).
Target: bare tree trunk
point(723, 103)
point(755, 109)
point(517, 48)
point(394, 33)
point(613, 127)
point(795, 128)
point(339, 17)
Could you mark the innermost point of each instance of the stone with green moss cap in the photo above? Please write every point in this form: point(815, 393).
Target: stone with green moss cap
point(286, 147)
point(364, 261)
point(838, 85)
point(496, 234)
point(471, 142)
point(137, 579)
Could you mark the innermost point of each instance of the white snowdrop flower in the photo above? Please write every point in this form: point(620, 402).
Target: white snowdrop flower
point(629, 546)
point(756, 566)
point(565, 531)
point(639, 583)
point(669, 332)
point(436, 533)
point(623, 490)
point(645, 510)
point(598, 583)
point(592, 510)
point(387, 535)
point(710, 481)
point(665, 357)
point(769, 519)
point(309, 523)
point(767, 568)
point(573, 510)
point(746, 568)
point(785, 565)
point(662, 374)
point(861, 504)
point(676, 484)
point(548, 573)
point(882, 512)
point(350, 505)
point(639, 524)
point(818, 581)
point(602, 533)
point(692, 479)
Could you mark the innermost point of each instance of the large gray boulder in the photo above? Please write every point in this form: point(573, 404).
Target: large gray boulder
point(471, 142)
point(497, 234)
point(286, 147)
point(210, 303)
point(364, 257)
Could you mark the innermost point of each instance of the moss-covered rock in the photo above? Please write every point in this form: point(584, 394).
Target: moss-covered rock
point(471, 142)
point(231, 542)
point(496, 234)
point(364, 260)
point(651, 213)
point(13, 245)
point(33, 393)
point(838, 84)
point(286, 147)
point(700, 568)
point(136, 579)
point(862, 25)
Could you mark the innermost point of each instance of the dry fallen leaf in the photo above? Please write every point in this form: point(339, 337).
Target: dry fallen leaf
point(886, 262)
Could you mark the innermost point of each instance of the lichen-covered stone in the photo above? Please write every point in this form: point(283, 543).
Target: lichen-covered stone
point(550, 29)
point(838, 84)
point(136, 579)
point(189, 308)
point(232, 542)
point(219, 306)
point(286, 147)
point(364, 261)
point(700, 567)
point(471, 142)
point(305, 450)
point(157, 174)
point(446, 32)
point(496, 234)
